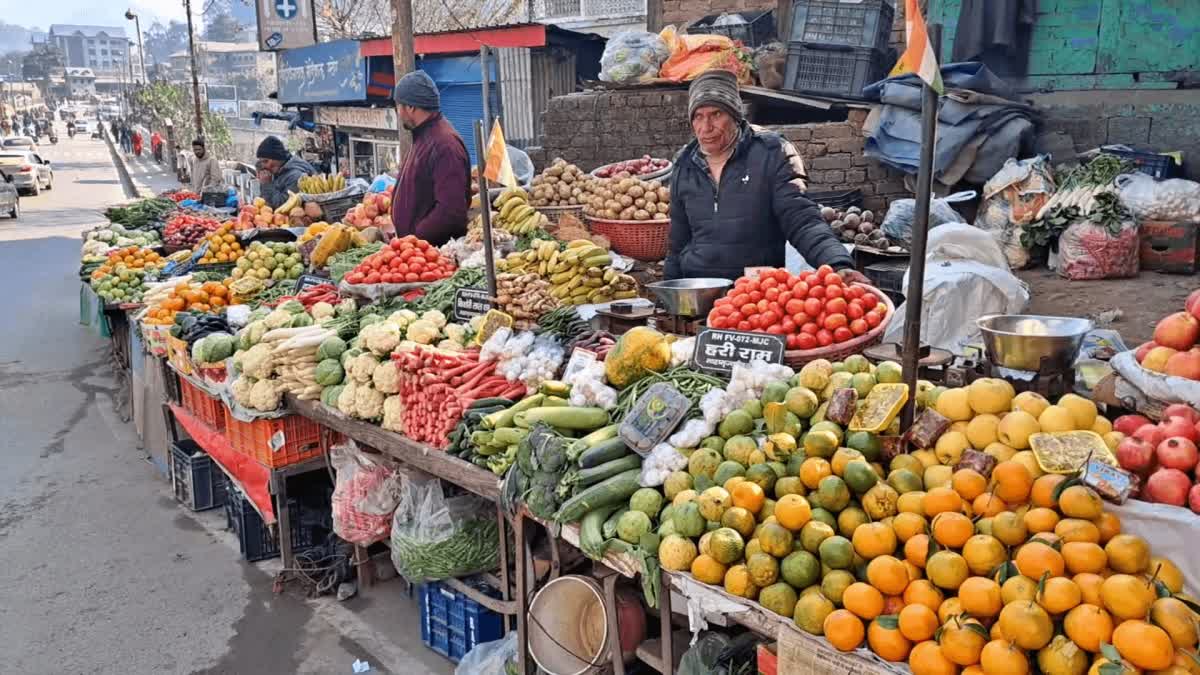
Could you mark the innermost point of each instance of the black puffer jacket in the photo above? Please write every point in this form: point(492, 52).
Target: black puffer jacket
point(759, 206)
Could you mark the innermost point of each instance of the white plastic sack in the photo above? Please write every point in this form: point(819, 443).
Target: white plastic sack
point(897, 223)
point(1011, 200)
point(1166, 388)
point(1174, 200)
point(489, 658)
point(966, 277)
point(633, 56)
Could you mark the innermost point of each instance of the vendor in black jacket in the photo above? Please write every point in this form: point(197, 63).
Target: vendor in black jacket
point(737, 195)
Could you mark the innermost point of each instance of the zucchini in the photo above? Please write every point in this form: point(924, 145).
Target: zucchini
point(604, 451)
point(594, 475)
point(601, 434)
point(569, 417)
point(508, 436)
point(555, 402)
point(555, 388)
point(591, 534)
point(489, 403)
point(610, 526)
point(505, 419)
point(614, 490)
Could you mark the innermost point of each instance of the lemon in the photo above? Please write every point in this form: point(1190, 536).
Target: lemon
point(953, 405)
point(990, 395)
point(950, 446)
point(1083, 411)
point(1057, 418)
point(1031, 402)
point(1016, 428)
point(982, 430)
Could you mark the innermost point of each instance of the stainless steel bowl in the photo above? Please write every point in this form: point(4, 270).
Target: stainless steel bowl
point(689, 297)
point(1027, 341)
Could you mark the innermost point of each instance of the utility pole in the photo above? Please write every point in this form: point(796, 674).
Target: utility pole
point(137, 23)
point(187, 7)
point(404, 61)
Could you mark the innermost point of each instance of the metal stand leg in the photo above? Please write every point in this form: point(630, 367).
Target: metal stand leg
point(522, 596)
point(505, 592)
point(664, 617)
point(616, 653)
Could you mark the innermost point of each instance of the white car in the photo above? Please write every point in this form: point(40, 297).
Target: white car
point(83, 127)
point(28, 170)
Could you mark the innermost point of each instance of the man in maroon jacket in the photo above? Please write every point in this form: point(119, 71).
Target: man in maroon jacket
point(433, 185)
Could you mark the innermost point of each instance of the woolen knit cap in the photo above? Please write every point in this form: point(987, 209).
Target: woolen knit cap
point(418, 90)
point(716, 87)
point(273, 148)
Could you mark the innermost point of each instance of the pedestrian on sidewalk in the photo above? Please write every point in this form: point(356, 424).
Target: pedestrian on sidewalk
point(206, 170)
point(136, 140)
point(156, 147)
point(281, 171)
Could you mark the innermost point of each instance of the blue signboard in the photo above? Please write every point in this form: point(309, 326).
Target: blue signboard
point(324, 73)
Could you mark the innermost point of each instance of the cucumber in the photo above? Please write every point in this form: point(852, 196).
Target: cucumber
point(611, 491)
point(591, 534)
point(489, 403)
point(508, 436)
point(555, 402)
point(609, 530)
point(569, 417)
point(555, 388)
point(505, 418)
point(594, 475)
point(604, 451)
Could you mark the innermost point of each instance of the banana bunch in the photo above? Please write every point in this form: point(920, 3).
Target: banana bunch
point(578, 275)
point(322, 183)
point(293, 201)
point(515, 214)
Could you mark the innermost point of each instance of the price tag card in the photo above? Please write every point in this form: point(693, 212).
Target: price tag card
point(580, 359)
point(470, 303)
point(720, 350)
point(493, 321)
point(308, 281)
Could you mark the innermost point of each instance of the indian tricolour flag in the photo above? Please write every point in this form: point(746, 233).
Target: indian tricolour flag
point(498, 167)
point(918, 57)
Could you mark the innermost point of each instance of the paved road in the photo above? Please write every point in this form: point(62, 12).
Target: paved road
point(100, 570)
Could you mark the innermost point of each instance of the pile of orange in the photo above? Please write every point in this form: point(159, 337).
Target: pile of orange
point(131, 256)
point(223, 246)
point(209, 296)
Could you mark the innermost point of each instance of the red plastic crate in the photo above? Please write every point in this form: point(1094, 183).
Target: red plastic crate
point(195, 400)
point(277, 442)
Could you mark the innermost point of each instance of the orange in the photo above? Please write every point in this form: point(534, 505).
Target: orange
point(988, 505)
point(951, 607)
point(983, 554)
point(941, 500)
point(892, 604)
point(885, 639)
point(888, 575)
point(750, 496)
point(1088, 626)
point(1035, 558)
point(914, 572)
point(707, 570)
point(961, 642)
point(1084, 556)
point(927, 658)
point(1144, 645)
point(968, 483)
point(1001, 657)
point(916, 549)
point(947, 569)
point(1026, 624)
point(1174, 617)
point(872, 540)
point(1089, 587)
point(843, 630)
point(1042, 494)
point(1126, 596)
point(923, 592)
point(864, 600)
point(1018, 588)
point(952, 529)
point(1080, 501)
point(1013, 481)
point(812, 470)
point(908, 524)
point(980, 597)
point(1077, 529)
point(1128, 554)
point(1059, 595)
point(791, 511)
point(1009, 528)
point(1040, 520)
point(1109, 525)
point(918, 622)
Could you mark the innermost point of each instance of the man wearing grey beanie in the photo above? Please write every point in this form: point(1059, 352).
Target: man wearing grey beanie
point(737, 194)
point(433, 185)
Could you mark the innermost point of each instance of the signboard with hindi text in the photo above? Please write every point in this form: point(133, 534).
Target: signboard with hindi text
point(470, 303)
point(330, 71)
point(720, 350)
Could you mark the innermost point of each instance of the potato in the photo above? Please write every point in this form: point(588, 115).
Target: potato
point(636, 191)
point(664, 208)
point(625, 200)
point(664, 195)
point(627, 214)
point(868, 216)
point(853, 220)
point(655, 185)
point(828, 213)
point(641, 214)
point(555, 170)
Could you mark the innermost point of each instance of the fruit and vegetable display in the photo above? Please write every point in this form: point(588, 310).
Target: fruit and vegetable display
point(258, 214)
point(404, 260)
point(121, 282)
point(1085, 193)
point(276, 260)
point(141, 214)
point(514, 214)
point(222, 246)
point(374, 211)
point(853, 225)
point(186, 230)
point(634, 167)
point(322, 183)
point(579, 273)
point(560, 184)
point(1173, 349)
point(102, 239)
point(623, 197)
point(1162, 455)
point(813, 309)
point(181, 196)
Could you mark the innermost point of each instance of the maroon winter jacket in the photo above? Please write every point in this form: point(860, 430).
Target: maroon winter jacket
point(433, 185)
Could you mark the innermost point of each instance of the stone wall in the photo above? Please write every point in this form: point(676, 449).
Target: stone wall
point(593, 128)
point(683, 13)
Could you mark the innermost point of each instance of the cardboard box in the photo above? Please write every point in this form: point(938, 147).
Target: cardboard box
point(1168, 247)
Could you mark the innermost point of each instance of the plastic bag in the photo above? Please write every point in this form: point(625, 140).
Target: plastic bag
point(897, 224)
point(383, 183)
point(365, 495)
point(701, 657)
point(1174, 200)
point(1088, 251)
point(632, 56)
point(489, 658)
point(435, 537)
point(1011, 200)
point(692, 55)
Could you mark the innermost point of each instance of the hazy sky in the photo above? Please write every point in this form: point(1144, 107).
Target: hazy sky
point(93, 12)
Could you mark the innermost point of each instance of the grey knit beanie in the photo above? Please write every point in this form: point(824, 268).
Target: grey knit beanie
point(418, 90)
point(716, 87)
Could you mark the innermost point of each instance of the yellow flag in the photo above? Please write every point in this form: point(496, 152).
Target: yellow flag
point(919, 57)
point(499, 169)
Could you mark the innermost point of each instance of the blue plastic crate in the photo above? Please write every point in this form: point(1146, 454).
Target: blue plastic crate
point(452, 624)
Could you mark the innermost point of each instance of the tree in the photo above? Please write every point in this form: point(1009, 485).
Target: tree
point(161, 101)
point(339, 19)
point(220, 25)
point(162, 41)
point(10, 63)
point(41, 62)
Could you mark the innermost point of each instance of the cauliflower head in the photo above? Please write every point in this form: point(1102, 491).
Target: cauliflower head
point(257, 362)
point(402, 317)
point(386, 377)
point(279, 318)
point(362, 367)
point(422, 331)
point(368, 402)
point(436, 317)
point(345, 401)
point(322, 311)
point(393, 414)
point(381, 338)
point(265, 396)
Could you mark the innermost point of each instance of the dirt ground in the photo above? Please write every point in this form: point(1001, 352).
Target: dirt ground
point(1141, 301)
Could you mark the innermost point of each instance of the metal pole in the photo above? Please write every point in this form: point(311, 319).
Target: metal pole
point(915, 293)
point(484, 77)
point(404, 61)
point(485, 214)
point(137, 22)
point(187, 5)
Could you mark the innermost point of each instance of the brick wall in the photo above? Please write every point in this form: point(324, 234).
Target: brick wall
point(683, 13)
point(600, 127)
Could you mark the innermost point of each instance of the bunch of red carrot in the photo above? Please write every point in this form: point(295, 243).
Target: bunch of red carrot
point(312, 295)
point(437, 386)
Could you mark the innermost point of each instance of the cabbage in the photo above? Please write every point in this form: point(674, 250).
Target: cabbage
point(331, 348)
point(329, 372)
point(301, 320)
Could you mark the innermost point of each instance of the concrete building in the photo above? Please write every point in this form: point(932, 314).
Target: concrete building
point(106, 50)
point(220, 61)
point(80, 82)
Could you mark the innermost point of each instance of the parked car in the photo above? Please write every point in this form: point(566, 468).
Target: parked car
point(10, 199)
point(28, 170)
point(21, 143)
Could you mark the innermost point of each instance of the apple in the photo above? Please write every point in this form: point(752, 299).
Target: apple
point(1177, 453)
point(1184, 364)
point(1150, 434)
point(1194, 498)
point(1135, 454)
point(1168, 486)
point(1178, 426)
point(1156, 359)
point(1177, 331)
point(1182, 410)
point(1193, 303)
point(1127, 424)
point(1143, 350)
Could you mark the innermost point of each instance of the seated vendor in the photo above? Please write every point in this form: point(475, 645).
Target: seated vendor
point(737, 195)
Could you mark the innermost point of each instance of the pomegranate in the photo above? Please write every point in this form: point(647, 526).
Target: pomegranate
point(1194, 498)
point(1182, 410)
point(1142, 350)
point(1184, 364)
point(1177, 453)
point(1150, 434)
point(1156, 359)
point(1127, 424)
point(1193, 303)
point(1178, 426)
point(1168, 486)
point(1135, 454)
point(1177, 331)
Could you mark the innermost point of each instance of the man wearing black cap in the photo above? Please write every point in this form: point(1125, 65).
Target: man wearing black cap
point(280, 171)
point(206, 170)
point(433, 185)
point(737, 194)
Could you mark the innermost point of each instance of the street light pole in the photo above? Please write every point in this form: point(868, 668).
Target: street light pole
point(137, 22)
point(187, 5)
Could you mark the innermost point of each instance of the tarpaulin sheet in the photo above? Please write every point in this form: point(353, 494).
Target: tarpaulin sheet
point(254, 478)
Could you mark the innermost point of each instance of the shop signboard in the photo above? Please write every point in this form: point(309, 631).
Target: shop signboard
point(470, 303)
point(720, 350)
point(285, 24)
point(358, 118)
point(333, 71)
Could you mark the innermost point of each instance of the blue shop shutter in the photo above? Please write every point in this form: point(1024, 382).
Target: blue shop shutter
point(462, 105)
